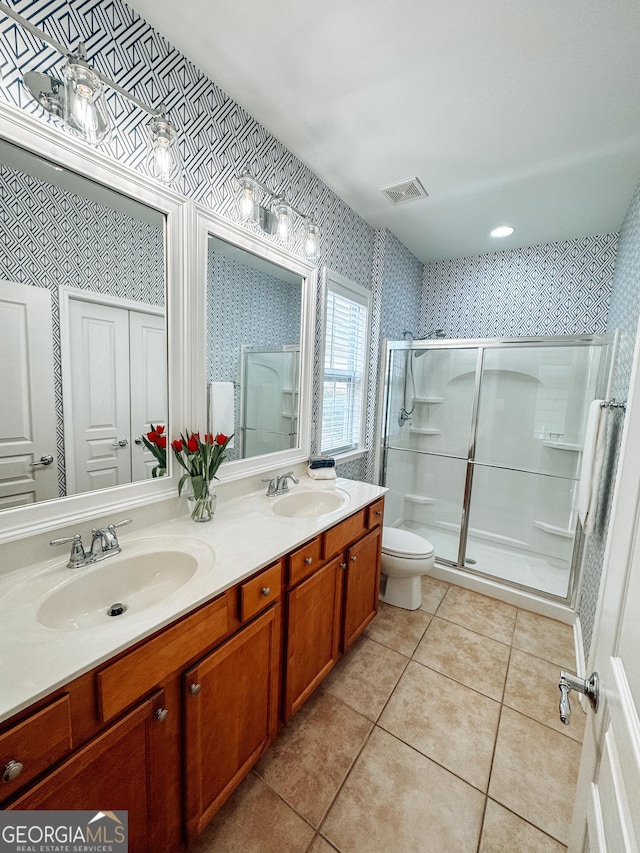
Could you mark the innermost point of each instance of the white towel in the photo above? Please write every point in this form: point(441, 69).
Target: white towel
point(591, 470)
point(221, 409)
point(322, 473)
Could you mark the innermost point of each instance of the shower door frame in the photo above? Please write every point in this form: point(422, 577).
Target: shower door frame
point(608, 342)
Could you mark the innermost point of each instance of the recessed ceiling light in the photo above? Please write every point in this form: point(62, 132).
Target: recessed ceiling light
point(503, 231)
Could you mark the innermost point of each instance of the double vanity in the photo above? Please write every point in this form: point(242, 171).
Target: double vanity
point(220, 633)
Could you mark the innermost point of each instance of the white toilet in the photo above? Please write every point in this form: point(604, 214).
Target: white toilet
point(405, 558)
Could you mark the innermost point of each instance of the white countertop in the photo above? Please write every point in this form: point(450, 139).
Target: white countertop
point(244, 536)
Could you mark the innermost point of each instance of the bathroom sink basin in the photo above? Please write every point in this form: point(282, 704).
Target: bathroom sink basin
point(148, 572)
point(310, 503)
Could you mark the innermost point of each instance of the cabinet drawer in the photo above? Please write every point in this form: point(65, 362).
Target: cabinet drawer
point(375, 514)
point(336, 539)
point(304, 561)
point(135, 674)
point(259, 592)
point(37, 742)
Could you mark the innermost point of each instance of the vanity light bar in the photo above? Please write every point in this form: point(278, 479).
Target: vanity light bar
point(49, 93)
point(277, 220)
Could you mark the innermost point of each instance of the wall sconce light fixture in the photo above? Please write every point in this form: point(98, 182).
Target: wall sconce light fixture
point(276, 216)
point(79, 103)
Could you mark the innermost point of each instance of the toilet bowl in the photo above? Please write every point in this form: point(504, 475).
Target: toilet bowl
point(405, 558)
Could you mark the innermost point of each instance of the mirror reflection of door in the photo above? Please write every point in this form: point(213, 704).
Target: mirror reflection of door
point(115, 388)
point(28, 425)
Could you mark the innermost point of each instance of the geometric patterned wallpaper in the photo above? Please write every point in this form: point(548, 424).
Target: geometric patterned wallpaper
point(217, 137)
point(624, 310)
point(560, 288)
point(245, 307)
point(50, 236)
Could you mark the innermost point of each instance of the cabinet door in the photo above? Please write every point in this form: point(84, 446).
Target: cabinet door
point(231, 712)
point(113, 772)
point(361, 586)
point(313, 633)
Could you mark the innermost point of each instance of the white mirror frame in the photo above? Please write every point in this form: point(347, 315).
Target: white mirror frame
point(47, 140)
point(208, 223)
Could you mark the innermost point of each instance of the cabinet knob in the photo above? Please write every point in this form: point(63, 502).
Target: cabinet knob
point(354, 558)
point(378, 512)
point(343, 565)
point(161, 714)
point(194, 689)
point(266, 591)
point(11, 770)
point(309, 560)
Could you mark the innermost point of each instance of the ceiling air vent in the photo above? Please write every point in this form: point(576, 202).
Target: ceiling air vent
point(409, 190)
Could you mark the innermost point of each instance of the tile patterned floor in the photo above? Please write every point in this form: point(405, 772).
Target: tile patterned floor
point(425, 737)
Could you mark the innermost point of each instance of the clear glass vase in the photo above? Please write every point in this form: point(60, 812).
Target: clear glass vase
point(202, 507)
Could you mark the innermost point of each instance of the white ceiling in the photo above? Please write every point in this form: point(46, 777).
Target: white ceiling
point(507, 112)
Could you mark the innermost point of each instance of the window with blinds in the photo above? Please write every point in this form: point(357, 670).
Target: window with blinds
point(345, 360)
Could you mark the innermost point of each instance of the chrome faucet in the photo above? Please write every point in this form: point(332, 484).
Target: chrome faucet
point(104, 543)
point(279, 485)
point(282, 486)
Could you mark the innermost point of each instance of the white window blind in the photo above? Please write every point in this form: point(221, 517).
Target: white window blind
point(347, 323)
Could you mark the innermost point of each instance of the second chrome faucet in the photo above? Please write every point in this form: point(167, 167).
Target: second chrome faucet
point(279, 485)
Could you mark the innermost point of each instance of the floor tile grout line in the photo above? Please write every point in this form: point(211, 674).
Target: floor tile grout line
point(466, 628)
point(433, 761)
point(344, 781)
point(528, 822)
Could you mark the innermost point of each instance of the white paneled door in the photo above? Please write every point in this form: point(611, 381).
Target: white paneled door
point(607, 811)
point(148, 376)
point(28, 455)
point(116, 386)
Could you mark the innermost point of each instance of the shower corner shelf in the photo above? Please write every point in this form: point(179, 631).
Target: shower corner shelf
point(429, 399)
point(554, 529)
point(562, 445)
point(425, 431)
point(419, 499)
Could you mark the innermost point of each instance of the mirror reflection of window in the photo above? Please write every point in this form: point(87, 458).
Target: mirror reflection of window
point(63, 236)
point(253, 350)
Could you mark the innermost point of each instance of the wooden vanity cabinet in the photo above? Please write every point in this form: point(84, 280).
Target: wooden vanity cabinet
point(168, 728)
point(114, 771)
point(313, 633)
point(332, 596)
point(361, 584)
point(231, 715)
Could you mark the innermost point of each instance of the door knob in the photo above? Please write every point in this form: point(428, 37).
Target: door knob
point(120, 443)
point(44, 460)
point(589, 686)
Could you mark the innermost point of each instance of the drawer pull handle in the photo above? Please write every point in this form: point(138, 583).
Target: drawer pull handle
point(353, 559)
point(161, 714)
point(266, 591)
point(12, 770)
point(194, 689)
point(308, 560)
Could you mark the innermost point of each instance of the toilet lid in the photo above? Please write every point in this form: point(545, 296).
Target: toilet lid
point(403, 543)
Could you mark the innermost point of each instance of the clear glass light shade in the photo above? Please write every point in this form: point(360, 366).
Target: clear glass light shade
point(85, 107)
point(284, 221)
point(164, 161)
point(311, 240)
point(247, 197)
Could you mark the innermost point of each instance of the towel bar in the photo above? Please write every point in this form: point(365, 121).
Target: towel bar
point(613, 404)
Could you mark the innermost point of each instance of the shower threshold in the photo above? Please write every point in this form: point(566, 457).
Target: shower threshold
point(547, 575)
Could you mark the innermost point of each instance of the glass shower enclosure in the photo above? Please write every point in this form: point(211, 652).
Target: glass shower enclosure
point(481, 451)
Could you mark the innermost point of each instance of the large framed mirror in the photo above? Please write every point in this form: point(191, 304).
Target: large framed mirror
point(258, 307)
point(88, 252)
